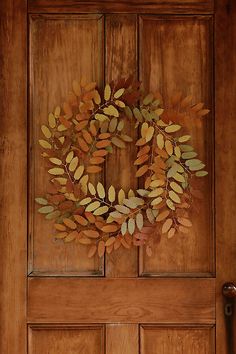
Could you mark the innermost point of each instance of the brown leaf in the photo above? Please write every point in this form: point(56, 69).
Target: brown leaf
point(92, 251)
point(103, 143)
point(90, 217)
point(83, 145)
point(110, 228)
point(91, 233)
point(67, 205)
point(96, 160)
point(144, 150)
point(141, 171)
point(101, 248)
point(141, 160)
point(94, 169)
point(70, 223)
point(81, 220)
point(101, 153)
point(87, 136)
point(104, 136)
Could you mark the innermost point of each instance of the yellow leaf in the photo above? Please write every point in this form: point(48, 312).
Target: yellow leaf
point(107, 92)
point(56, 171)
point(93, 206)
point(111, 111)
point(51, 120)
point(73, 164)
point(111, 194)
point(160, 141)
point(156, 192)
point(91, 188)
point(57, 112)
point(97, 98)
point(46, 132)
point(174, 197)
point(119, 93)
point(172, 128)
point(55, 161)
point(92, 251)
point(85, 201)
point(170, 204)
point(156, 201)
point(176, 187)
point(177, 152)
point(78, 173)
point(101, 249)
point(121, 196)
point(159, 111)
point(101, 190)
point(101, 117)
point(149, 134)
point(70, 156)
point(102, 210)
point(184, 138)
point(45, 144)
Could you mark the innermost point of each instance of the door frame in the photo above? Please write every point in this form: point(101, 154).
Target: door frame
point(13, 157)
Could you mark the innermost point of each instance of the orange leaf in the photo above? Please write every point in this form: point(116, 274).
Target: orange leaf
point(81, 125)
point(100, 153)
point(104, 136)
point(143, 151)
point(94, 169)
point(103, 144)
point(110, 228)
point(70, 223)
point(141, 141)
point(90, 217)
point(92, 251)
point(96, 160)
point(141, 160)
point(87, 136)
point(83, 145)
point(141, 171)
point(91, 233)
point(101, 248)
point(80, 220)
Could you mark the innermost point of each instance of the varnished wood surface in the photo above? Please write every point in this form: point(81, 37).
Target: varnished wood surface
point(66, 339)
point(122, 300)
point(13, 176)
point(176, 55)
point(124, 6)
point(62, 48)
point(225, 75)
point(122, 338)
point(122, 61)
point(176, 340)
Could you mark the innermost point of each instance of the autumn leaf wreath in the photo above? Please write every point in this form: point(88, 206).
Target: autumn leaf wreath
point(77, 140)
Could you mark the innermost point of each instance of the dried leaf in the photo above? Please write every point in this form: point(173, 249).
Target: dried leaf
point(111, 111)
point(51, 120)
point(110, 228)
point(139, 221)
point(80, 220)
point(149, 134)
point(184, 138)
point(93, 169)
point(166, 226)
point(111, 194)
point(73, 164)
point(141, 171)
point(102, 210)
point(122, 209)
point(119, 93)
point(169, 147)
point(201, 173)
point(160, 141)
point(103, 143)
point(93, 206)
point(92, 251)
point(185, 222)
point(70, 156)
point(41, 201)
point(131, 226)
point(172, 128)
point(101, 248)
point(45, 144)
point(56, 171)
point(91, 233)
point(176, 187)
point(163, 215)
point(171, 232)
point(85, 201)
point(107, 92)
point(117, 142)
point(121, 196)
point(173, 196)
point(46, 209)
point(83, 145)
point(101, 190)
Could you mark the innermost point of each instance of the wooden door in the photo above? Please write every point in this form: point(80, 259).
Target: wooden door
point(56, 300)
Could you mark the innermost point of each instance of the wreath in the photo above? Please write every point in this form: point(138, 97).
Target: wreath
point(77, 140)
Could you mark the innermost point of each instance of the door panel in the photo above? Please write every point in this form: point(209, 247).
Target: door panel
point(177, 340)
point(73, 340)
point(176, 55)
point(54, 63)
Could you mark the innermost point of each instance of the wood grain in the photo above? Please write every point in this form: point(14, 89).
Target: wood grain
point(62, 48)
point(124, 6)
point(176, 54)
point(121, 61)
point(122, 338)
point(73, 340)
point(13, 175)
point(225, 76)
point(176, 340)
point(121, 300)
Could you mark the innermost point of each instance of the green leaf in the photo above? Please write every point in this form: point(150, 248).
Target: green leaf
point(46, 209)
point(189, 155)
point(148, 99)
point(41, 201)
point(201, 173)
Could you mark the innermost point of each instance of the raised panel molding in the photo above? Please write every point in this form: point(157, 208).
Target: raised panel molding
point(65, 339)
point(175, 340)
